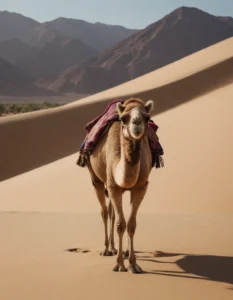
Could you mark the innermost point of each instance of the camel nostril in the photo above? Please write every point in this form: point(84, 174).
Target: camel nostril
point(137, 121)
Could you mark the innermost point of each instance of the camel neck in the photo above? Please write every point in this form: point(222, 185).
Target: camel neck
point(127, 169)
point(131, 151)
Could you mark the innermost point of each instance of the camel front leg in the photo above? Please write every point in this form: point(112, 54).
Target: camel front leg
point(115, 195)
point(137, 195)
point(126, 253)
point(99, 189)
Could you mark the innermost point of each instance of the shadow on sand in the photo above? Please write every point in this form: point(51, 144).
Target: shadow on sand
point(203, 267)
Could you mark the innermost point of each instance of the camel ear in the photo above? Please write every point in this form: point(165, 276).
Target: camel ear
point(149, 106)
point(120, 108)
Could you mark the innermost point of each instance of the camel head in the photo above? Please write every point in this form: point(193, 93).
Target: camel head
point(134, 115)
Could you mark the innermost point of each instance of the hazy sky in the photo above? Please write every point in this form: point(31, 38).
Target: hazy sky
point(129, 13)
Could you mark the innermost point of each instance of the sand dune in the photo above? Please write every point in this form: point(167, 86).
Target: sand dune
point(196, 137)
point(187, 212)
point(172, 85)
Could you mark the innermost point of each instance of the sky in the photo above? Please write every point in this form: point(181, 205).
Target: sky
point(129, 13)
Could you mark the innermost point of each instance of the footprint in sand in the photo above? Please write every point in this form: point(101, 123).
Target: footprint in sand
point(78, 250)
point(139, 254)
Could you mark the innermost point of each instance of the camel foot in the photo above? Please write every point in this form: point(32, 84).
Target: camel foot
point(135, 269)
point(126, 254)
point(119, 268)
point(114, 251)
point(106, 253)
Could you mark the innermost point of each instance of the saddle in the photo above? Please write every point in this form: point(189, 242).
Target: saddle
point(101, 124)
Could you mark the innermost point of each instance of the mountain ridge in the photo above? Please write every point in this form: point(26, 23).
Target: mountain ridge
point(184, 31)
point(96, 35)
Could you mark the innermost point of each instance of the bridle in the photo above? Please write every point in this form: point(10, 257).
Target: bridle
point(126, 127)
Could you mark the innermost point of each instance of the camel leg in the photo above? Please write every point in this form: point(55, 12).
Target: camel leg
point(116, 198)
point(137, 196)
point(126, 253)
point(111, 214)
point(100, 193)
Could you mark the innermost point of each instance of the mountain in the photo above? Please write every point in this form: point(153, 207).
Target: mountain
point(56, 56)
point(13, 25)
point(14, 81)
point(44, 49)
point(98, 36)
point(13, 49)
point(42, 34)
point(228, 20)
point(182, 32)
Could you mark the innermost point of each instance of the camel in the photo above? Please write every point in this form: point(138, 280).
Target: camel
point(122, 161)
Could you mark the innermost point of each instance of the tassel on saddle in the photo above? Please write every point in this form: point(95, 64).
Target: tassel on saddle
point(82, 160)
point(159, 162)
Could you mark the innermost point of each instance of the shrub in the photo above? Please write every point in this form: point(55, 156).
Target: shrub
point(2, 109)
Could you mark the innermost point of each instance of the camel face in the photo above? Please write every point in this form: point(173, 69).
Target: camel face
point(134, 122)
point(137, 124)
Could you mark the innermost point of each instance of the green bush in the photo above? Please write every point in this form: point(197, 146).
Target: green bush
point(12, 108)
point(2, 109)
point(23, 108)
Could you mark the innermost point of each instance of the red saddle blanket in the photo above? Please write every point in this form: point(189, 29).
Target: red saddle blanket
point(97, 127)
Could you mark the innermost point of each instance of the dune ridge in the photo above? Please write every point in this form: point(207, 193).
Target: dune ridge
point(47, 141)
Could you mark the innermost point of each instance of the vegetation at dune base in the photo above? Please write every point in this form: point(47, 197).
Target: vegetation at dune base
point(9, 109)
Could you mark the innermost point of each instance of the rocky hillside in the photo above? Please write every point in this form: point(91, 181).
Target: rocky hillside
point(15, 82)
point(57, 55)
point(182, 32)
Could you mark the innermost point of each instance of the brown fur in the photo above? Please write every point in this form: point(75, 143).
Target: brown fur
point(132, 151)
point(135, 156)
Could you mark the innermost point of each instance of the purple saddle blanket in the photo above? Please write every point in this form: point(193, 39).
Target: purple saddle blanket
point(101, 124)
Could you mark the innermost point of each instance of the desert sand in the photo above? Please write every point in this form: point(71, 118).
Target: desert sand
point(50, 206)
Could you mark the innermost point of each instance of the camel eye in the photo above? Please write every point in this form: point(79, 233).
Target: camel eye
point(124, 119)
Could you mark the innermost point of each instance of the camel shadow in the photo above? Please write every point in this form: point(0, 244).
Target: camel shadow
point(203, 267)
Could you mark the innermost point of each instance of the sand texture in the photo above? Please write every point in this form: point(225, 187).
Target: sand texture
point(187, 214)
